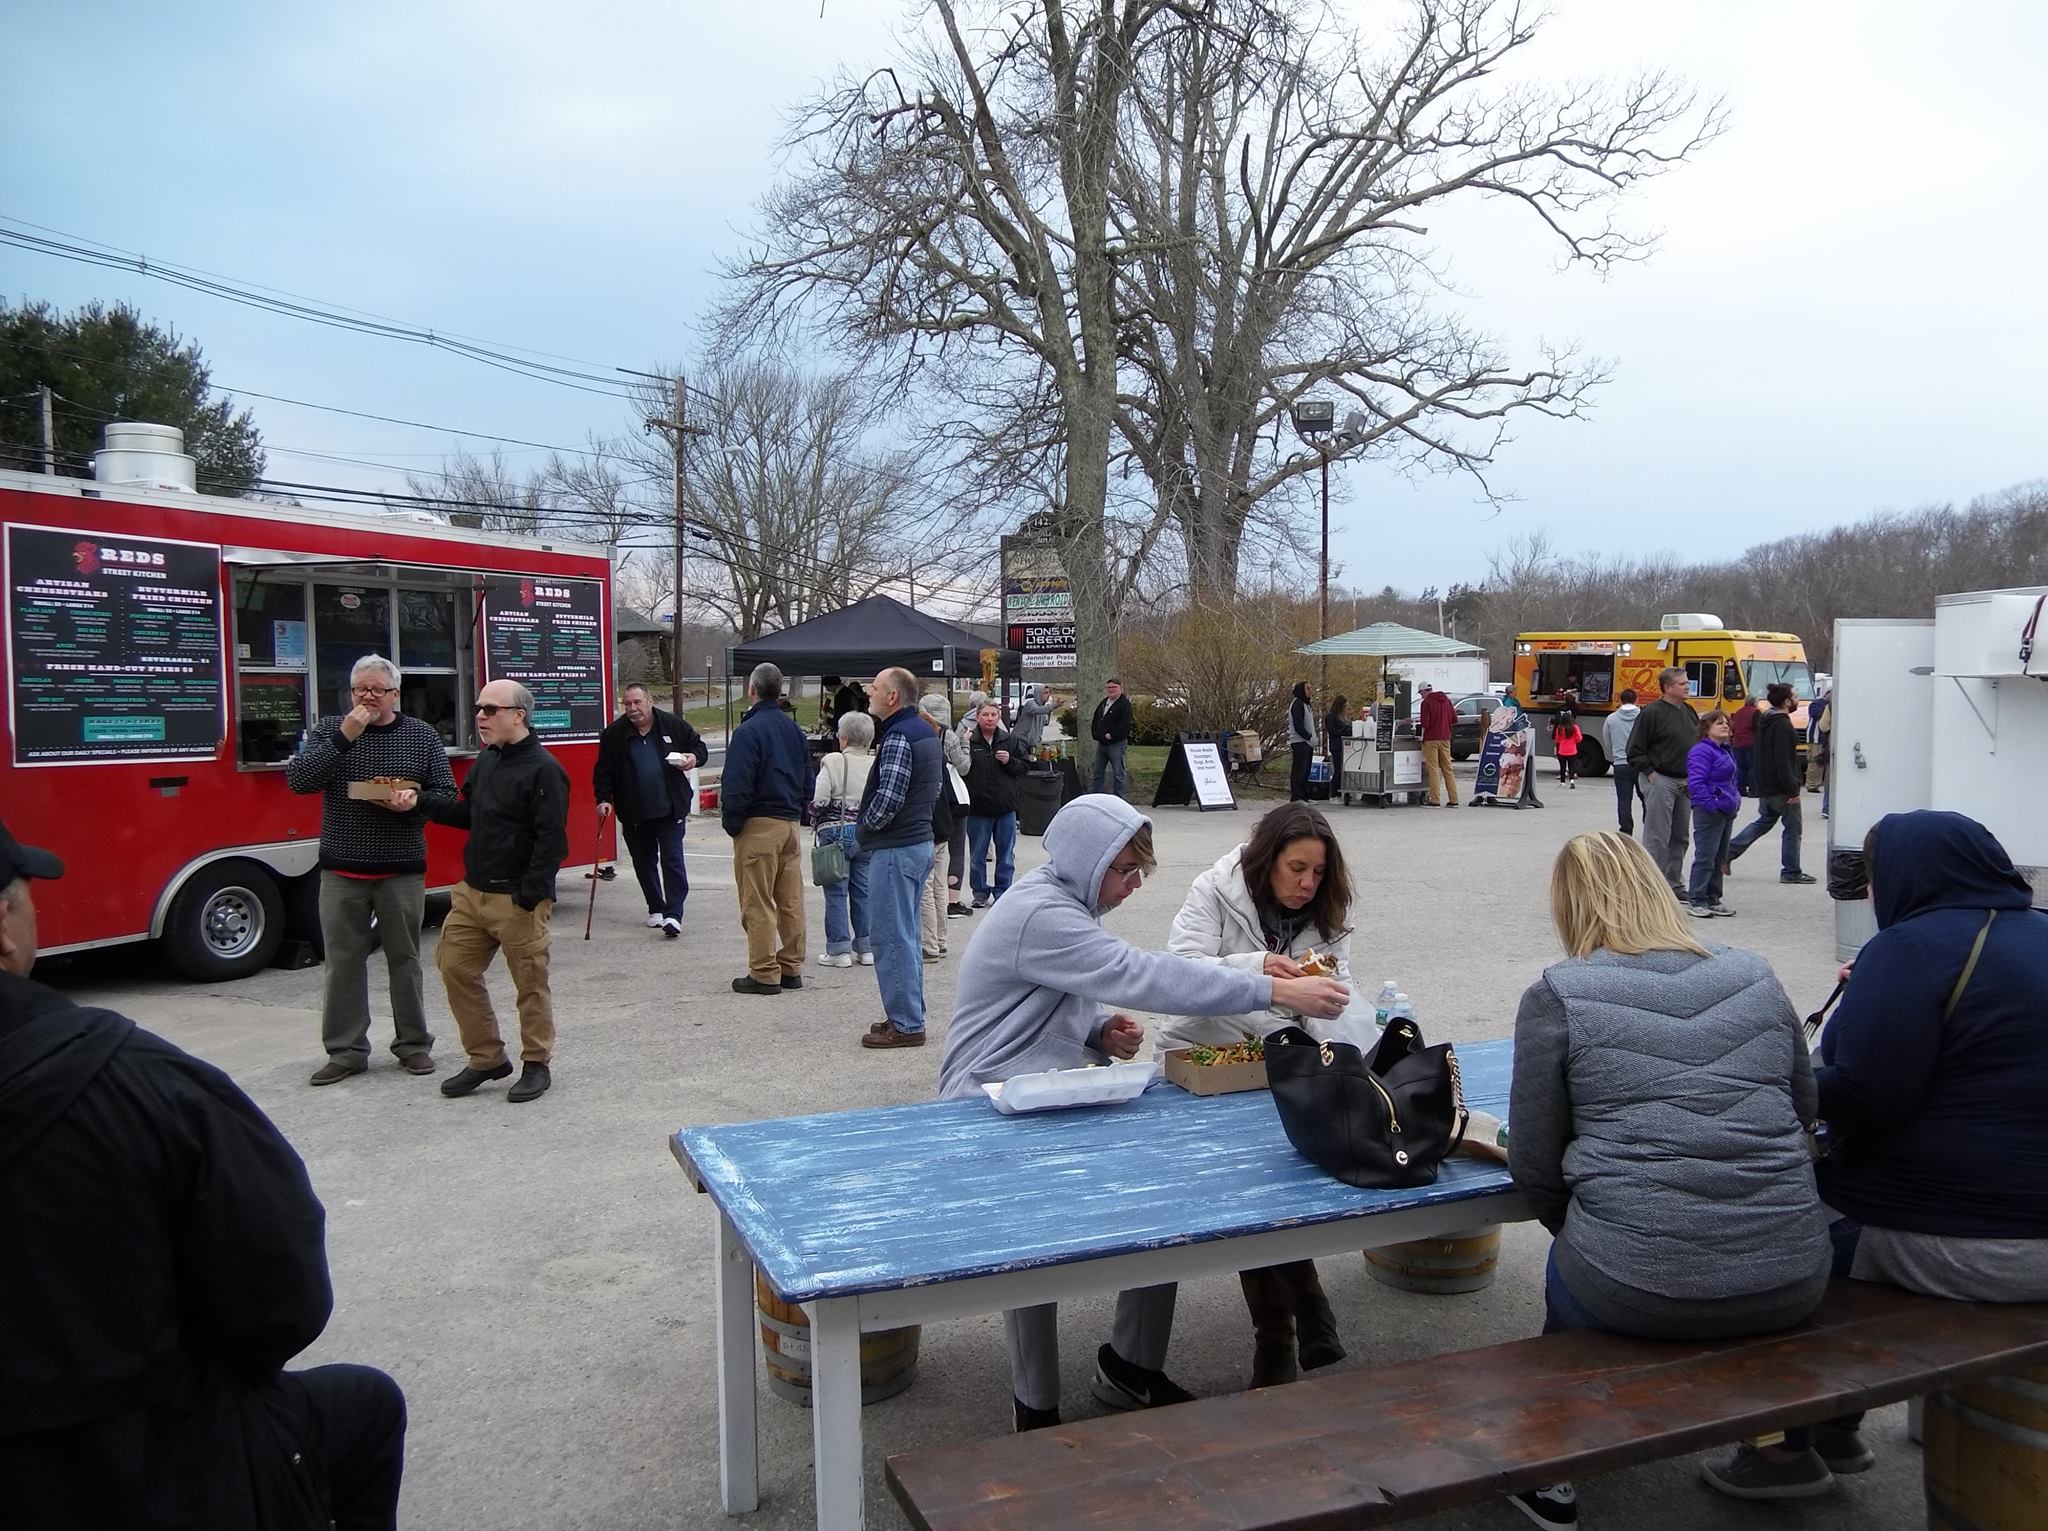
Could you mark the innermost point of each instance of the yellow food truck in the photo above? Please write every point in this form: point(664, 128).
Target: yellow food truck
point(1587, 672)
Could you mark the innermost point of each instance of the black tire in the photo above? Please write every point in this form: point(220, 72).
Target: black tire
point(1463, 755)
point(226, 922)
point(1592, 759)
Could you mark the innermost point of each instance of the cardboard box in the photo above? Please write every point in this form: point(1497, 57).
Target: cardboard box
point(1213, 1078)
point(378, 791)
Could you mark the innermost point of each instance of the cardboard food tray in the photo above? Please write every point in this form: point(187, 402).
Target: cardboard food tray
point(378, 791)
point(1213, 1078)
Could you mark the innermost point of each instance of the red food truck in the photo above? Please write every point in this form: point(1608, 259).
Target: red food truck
point(166, 650)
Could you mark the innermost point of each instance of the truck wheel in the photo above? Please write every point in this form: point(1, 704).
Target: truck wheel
point(1592, 759)
point(226, 922)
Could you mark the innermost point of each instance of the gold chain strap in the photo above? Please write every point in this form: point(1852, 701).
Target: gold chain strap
point(1457, 1081)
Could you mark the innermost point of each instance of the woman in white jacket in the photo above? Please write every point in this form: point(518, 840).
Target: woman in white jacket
point(1261, 909)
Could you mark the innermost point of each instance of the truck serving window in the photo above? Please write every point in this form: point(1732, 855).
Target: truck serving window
point(270, 666)
point(1703, 678)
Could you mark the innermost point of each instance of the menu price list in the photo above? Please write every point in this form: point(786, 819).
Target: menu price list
point(114, 647)
point(548, 634)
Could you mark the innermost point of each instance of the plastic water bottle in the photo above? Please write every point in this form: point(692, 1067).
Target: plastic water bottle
point(1383, 1007)
point(1403, 1010)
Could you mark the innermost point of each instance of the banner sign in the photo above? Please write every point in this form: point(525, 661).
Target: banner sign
point(548, 634)
point(1038, 605)
point(114, 648)
point(1504, 763)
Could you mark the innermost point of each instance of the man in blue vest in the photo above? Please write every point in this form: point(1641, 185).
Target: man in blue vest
point(896, 836)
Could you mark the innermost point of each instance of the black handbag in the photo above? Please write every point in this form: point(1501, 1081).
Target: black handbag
point(1380, 1123)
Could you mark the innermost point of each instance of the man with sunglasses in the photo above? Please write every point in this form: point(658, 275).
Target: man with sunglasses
point(515, 806)
point(373, 866)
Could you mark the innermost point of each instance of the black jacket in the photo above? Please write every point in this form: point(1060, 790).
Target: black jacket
point(515, 806)
point(1778, 773)
point(767, 771)
point(991, 783)
point(1112, 721)
point(1663, 738)
point(613, 778)
point(164, 1255)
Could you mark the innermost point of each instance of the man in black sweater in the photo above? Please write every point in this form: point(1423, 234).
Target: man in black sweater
point(995, 761)
point(515, 806)
point(1110, 728)
point(164, 1258)
point(373, 866)
point(1777, 778)
point(641, 760)
point(1664, 735)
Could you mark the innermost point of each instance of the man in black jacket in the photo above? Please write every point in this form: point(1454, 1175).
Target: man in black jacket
point(515, 806)
point(1111, 730)
point(1664, 735)
point(641, 758)
point(762, 794)
point(164, 1257)
point(1777, 778)
point(995, 761)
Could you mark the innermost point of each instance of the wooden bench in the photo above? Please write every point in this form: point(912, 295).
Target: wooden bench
point(1371, 1447)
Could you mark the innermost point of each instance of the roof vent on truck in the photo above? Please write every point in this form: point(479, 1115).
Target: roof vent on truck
point(139, 456)
point(1690, 622)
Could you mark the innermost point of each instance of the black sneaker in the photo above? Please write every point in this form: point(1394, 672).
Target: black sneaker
point(957, 910)
point(1750, 1474)
point(466, 1081)
point(534, 1080)
point(1027, 1418)
point(1123, 1386)
point(1799, 877)
point(1557, 1505)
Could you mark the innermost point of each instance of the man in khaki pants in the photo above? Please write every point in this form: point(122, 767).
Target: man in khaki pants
point(761, 796)
point(515, 806)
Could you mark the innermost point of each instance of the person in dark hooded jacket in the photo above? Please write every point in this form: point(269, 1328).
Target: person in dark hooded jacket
point(1932, 1078)
point(164, 1257)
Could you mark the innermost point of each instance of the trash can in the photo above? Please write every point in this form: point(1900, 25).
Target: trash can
point(1038, 799)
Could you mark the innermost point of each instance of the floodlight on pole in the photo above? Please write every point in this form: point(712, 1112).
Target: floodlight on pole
point(1313, 420)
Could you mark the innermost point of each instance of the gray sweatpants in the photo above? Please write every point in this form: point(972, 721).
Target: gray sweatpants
point(1144, 1324)
point(1667, 814)
point(346, 903)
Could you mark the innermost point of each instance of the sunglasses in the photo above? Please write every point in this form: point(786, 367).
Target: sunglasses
point(492, 709)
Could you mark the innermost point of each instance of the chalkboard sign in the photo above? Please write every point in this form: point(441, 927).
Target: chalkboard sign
point(548, 634)
point(114, 648)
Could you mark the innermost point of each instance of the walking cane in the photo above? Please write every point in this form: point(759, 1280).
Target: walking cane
point(604, 811)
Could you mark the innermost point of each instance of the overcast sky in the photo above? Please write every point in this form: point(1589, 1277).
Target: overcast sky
point(1845, 312)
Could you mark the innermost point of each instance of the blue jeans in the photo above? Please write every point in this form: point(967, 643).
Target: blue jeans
point(1561, 1310)
point(1771, 809)
point(846, 903)
point(656, 846)
point(1625, 794)
point(981, 828)
point(896, 877)
point(1710, 832)
point(1110, 757)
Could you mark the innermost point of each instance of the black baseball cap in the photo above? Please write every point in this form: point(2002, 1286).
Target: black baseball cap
point(18, 860)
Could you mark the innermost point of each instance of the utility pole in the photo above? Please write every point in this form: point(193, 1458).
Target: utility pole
point(1323, 582)
point(49, 429)
point(678, 431)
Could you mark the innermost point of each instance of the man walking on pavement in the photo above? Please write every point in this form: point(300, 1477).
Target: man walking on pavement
point(515, 805)
point(1777, 785)
point(761, 798)
point(1439, 717)
point(1664, 736)
point(167, 1257)
point(1621, 723)
point(1742, 730)
point(1110, 728)
point(641, 759)
point(996, 760)
point(895, 832)
point(373, 867)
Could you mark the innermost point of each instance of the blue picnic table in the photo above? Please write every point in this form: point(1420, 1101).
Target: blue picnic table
point(900, 1215)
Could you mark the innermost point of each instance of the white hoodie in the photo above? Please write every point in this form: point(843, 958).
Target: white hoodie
point(1219, 924)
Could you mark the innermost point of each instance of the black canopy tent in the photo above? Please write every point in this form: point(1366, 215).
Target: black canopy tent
point(867, 637)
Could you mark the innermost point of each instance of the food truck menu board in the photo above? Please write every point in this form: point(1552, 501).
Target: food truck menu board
point(548, 634)
point(114, 648)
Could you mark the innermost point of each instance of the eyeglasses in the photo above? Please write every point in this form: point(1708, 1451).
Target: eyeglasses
point(1133, 874)
point(492, 709)
point(372, 690)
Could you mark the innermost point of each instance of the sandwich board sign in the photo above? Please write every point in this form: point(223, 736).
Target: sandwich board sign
point(1195, 773)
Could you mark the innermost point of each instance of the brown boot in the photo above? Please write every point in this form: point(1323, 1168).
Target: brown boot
point(1313, 1321)
point(1269, 1296)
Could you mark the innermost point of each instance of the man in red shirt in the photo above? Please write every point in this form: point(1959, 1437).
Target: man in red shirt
point(1743, 727)
point(1438, 716)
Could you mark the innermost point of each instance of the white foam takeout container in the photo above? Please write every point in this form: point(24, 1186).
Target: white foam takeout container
point(1059, 1088)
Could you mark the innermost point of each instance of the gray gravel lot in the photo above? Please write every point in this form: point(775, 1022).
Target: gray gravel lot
point(539, 1277)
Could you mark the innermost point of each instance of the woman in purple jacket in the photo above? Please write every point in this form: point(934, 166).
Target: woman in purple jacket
point(1711, 779)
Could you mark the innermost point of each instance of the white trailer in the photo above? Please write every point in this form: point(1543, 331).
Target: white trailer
point(1459, 675)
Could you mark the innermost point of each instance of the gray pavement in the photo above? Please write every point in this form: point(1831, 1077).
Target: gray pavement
point(539, 1277)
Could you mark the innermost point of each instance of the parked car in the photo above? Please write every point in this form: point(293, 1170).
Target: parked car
point(1469, 732)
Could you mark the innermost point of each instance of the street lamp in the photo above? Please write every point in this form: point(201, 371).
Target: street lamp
point(1313, 421)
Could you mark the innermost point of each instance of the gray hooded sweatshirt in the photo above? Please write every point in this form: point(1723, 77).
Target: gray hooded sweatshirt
point(1032, 987)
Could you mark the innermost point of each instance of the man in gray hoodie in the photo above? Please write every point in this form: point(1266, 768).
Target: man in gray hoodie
point(1620, 724)
point(1032, 989)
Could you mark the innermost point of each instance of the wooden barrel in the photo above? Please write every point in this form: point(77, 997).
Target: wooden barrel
point(1459, 1262)
point(1987, 1454)
point(888, 1357)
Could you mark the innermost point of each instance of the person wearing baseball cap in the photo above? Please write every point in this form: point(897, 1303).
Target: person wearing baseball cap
point(165, 1257)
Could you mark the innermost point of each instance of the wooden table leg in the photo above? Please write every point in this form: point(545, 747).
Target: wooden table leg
point(739, 1484)
point(835, 1412)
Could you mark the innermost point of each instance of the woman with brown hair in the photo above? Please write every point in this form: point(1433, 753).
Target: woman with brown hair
point(1270, 906)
